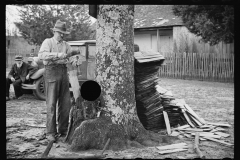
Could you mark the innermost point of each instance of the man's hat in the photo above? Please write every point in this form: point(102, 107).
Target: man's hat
point(18, 58)
point(60, 27)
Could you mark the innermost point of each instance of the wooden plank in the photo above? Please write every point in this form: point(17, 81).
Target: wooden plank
point(207, 134)
point(225, 135)
point(219, 141)
point(220, 129)
point(219, 124)
point(174, 133)
point(193, 113)
point(172, 146)
point(196, 147)
point(194, 119)
point(172, 151)
point(187, 118)
point(192, 129)
point(167, 122)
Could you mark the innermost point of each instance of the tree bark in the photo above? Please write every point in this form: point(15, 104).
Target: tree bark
point(115, 74)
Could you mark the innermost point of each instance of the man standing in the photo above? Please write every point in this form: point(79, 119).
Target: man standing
point(54, 52)
point(19, 73)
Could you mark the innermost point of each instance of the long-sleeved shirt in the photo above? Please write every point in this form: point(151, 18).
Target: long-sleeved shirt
point(22, 72)
point(49, 50)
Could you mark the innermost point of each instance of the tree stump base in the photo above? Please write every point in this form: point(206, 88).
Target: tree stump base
point(94, 133)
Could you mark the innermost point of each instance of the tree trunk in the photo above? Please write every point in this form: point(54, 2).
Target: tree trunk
point(115, 75)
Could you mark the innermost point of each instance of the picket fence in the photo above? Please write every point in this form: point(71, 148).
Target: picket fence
point(204, 66)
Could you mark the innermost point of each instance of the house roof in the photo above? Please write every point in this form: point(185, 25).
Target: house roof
point(148, 16)
point(152, 16)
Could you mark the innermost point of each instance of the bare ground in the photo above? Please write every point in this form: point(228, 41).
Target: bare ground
point(212, 101)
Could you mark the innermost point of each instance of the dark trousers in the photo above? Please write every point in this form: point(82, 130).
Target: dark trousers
point(57, 90)
point(16, 85)
point(19, 91)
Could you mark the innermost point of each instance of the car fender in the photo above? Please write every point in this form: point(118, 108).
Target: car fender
point(38, 73)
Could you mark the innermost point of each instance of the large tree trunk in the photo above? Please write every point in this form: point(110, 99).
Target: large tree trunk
point(115, 75)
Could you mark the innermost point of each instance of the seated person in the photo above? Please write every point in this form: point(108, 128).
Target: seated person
point(19, 73)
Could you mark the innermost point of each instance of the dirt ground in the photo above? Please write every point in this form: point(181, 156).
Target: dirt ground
point(210, 100)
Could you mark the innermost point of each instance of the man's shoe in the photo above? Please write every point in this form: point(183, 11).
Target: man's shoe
point(7, 98)
point(51, 137)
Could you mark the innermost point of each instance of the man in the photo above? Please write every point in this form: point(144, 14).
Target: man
point(19, 73)
point(54, 52)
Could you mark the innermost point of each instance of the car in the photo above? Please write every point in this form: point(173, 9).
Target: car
point(85, 70)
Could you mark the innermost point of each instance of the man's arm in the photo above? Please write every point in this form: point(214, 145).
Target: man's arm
point(45, 51)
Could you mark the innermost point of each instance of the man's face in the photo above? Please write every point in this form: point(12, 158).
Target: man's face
point(59, 35)
point(19, 63)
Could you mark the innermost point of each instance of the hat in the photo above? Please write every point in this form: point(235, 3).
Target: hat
point(60, 27)
point(18, 58)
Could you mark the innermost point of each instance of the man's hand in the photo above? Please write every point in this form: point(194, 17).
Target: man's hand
point(27, 77)
point(12, 79)
point(61, 55)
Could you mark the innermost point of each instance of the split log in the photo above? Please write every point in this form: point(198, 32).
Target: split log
point(196, 146)
point(167, 122)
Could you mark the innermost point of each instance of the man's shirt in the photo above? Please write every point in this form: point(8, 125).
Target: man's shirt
point(49, 50)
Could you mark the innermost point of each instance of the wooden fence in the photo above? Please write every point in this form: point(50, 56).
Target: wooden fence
point(204, 66)
point(11, 53)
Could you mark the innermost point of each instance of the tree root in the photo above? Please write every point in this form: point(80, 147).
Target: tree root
point(94, 133)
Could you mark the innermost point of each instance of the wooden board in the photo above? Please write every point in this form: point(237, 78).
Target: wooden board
point(225, 135)
point(219, 124)
point(167, 122)
point(219, 141)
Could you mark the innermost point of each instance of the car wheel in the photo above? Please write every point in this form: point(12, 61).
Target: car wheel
point(39, 92)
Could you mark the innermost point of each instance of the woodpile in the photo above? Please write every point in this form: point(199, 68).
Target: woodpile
point(157, 108)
